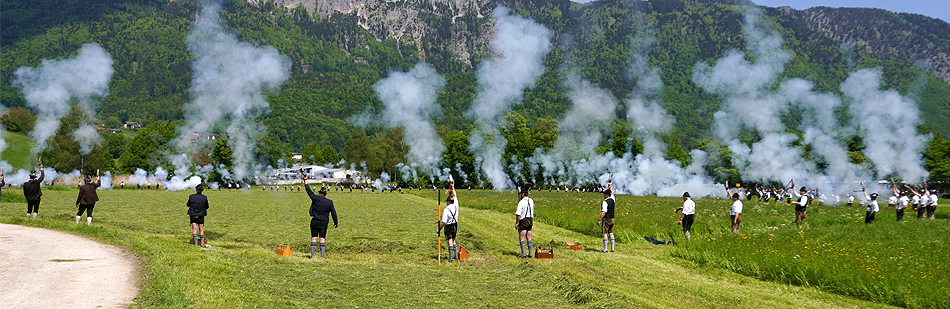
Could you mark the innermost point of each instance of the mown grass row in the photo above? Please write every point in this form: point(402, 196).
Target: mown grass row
point(902, 264)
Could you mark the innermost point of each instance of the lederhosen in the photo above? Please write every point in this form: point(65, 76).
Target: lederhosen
point(452, 229)
point(607, 223)
point(526, 223)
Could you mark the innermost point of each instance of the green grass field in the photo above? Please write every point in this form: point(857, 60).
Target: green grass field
point(902, 264)
point(383, 254)
point(18, 150)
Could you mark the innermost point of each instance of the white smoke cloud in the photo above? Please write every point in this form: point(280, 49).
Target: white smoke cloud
point(520, 45)
point(888, 123)
point(229, 79)
point(409, 98)
point(54, 85)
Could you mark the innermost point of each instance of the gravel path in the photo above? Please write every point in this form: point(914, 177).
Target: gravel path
point(41, 268)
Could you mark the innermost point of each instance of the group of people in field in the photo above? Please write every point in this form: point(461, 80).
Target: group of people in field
point(922, 201)
point(33, 192)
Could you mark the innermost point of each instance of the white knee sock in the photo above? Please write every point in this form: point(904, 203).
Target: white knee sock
point(88, 220)
point(77, 219)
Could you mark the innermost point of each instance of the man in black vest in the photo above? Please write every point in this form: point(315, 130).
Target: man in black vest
point(606, 220)
point(33, 192)
point(87, 199)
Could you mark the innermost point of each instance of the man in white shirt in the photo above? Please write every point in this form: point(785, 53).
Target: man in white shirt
point(689, 209)
point(606, 220)
point(735, 213)
point(802, 203)
point(918, 205)
point(450, 220)
point(871, 205)
point(932, 207)
point(523, 219)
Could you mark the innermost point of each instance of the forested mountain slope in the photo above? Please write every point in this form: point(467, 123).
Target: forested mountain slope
point(341, 48)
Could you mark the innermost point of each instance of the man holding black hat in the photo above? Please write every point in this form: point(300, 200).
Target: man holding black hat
point(320, 209)
point(606, 220)
point(33, 192)
point(87, 199)
point(689, 209)
point(523, 219)
point(197, 210)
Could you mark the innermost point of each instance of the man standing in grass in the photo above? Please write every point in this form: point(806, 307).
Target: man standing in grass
point(450, 220)
point(523, 219)
point(932, 205)
point(735, 213)
point(801, 205)
point(87, 199)
point(320, 209)
point(689, 209)
point(606, 220)
point(873, 208)
point(197, 210)
point(32, 191)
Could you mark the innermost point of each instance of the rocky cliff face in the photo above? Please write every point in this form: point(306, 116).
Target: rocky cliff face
point(462, 28)
point(411, 22)
point(908, 37)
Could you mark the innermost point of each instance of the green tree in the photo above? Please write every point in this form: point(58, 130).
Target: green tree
point(18, 119)
point(116, 144)
point(313, 154)
point(148, 148)
point(221, 154)
point(330, 156)
point(63, 152)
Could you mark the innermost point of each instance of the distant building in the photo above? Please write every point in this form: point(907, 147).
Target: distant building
point(195, 137)
point(132, 125)
point(297, 156)
point(111, 131)
point(317, 173)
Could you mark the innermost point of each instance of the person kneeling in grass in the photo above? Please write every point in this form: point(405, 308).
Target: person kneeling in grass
point(197, 210)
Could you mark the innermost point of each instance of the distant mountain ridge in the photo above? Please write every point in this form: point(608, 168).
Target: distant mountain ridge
point(340, 48)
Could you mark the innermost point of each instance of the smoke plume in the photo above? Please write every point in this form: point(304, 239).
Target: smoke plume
point(229, 79)
point(52, 87)
point(520, 45)
point(409, 98)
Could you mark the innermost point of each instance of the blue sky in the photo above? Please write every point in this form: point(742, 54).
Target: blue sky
point(933, 8)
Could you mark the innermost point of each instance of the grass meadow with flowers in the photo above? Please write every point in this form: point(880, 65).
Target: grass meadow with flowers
point(898, 263)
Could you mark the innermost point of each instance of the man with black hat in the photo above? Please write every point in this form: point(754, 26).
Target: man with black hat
point(87, 199)
point(450, 220)
point(872, 205)
point(801, 206)
point(689, 209)
point(32, 191)
point(320, 209)
point(606, 220)
point(523, 219)
point(197, 210)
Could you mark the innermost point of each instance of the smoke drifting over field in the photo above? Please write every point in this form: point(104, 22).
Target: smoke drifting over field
point(55, 85)
point(228, 83)
point(520, 45)
point(409, 98)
